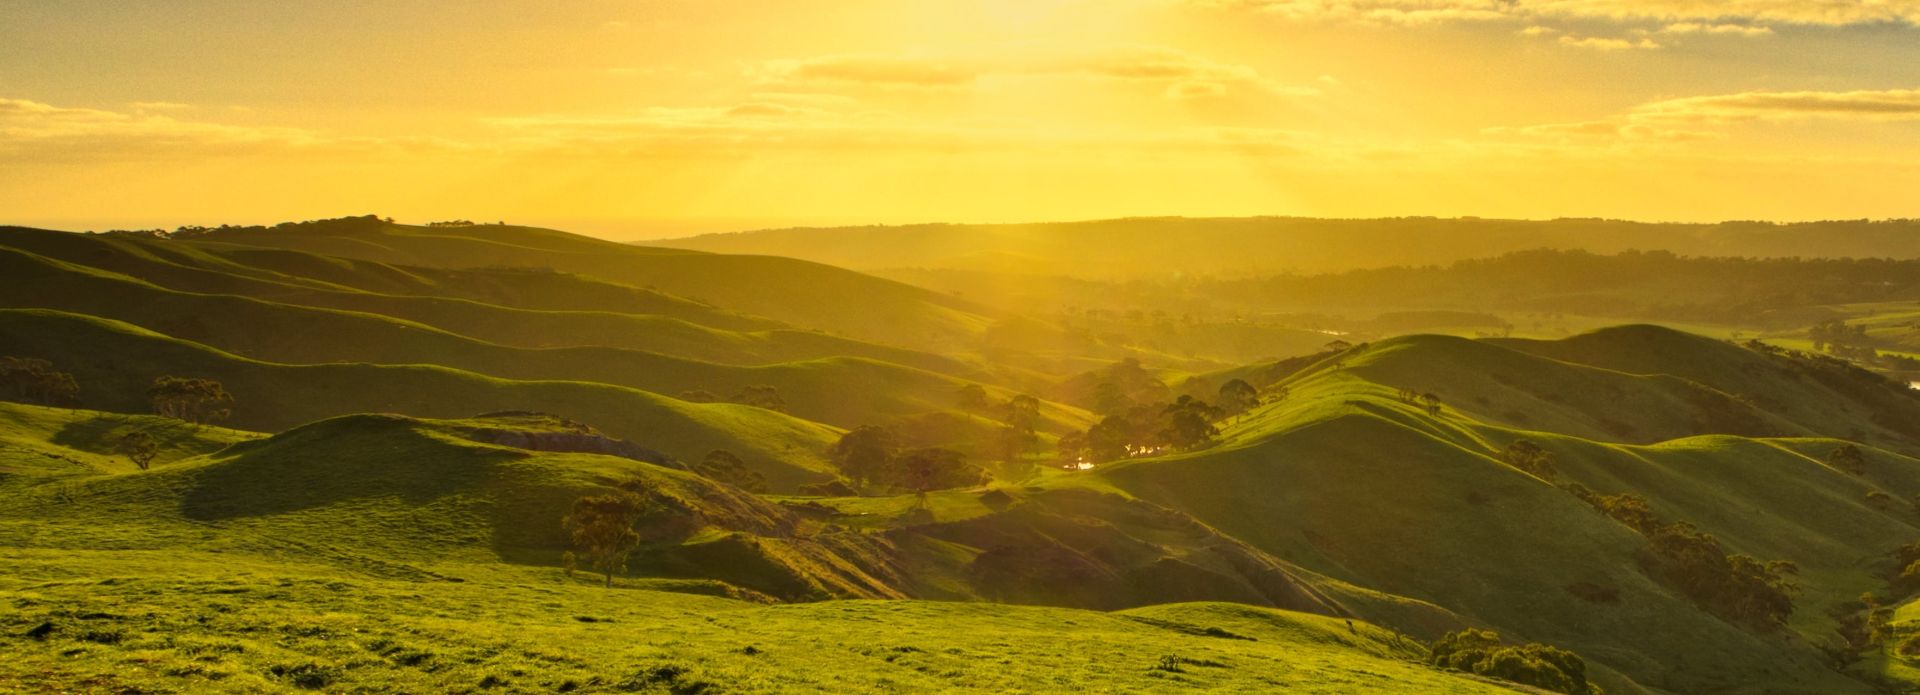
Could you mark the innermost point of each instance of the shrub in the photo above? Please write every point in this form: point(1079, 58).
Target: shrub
point(1480, 652)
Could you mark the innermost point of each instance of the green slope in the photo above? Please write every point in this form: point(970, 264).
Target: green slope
point(800, 292)
point(816, 389)
point(1345, 480)
point(672, 327)
point(115, 362)
point(231, 269)
point(389, 553)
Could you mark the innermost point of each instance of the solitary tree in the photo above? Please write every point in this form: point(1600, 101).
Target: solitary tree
point(36, 381)
point(972, 399)
point(601, 528)
point(924, 470)
point(140, 448)
point(865, 454)
point(198, 401)
point(724, 466)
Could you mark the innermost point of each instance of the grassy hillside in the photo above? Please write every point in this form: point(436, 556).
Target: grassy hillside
point(1344, 479)
point(815, 389)
point(799, 292)
point(276, 274)
point(382, 552)
point(119, 362)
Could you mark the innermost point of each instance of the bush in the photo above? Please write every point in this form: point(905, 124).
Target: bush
point(1480, 652)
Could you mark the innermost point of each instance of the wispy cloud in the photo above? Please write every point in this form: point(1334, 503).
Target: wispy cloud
point(1185, 74)
point(1747, 12)
point(1704, 117)
point(1599, 43)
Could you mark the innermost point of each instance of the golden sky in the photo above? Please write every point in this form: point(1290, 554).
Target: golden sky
point(659, 118)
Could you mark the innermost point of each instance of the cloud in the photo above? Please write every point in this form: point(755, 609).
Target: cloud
point(159, 106)
point(870, 69)
point(1716, 29)
point(1704, 117)
point(1183, 91)
point(37, 132)
point(1186, 75)
point(1748, 12)
point(1608, 44)
point(1887, 104)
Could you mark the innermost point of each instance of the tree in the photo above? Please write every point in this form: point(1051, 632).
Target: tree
point(1432, 403)
point(601, 528)
point(865, 453)
point(761, 396)
point(198, 401)
point(1238, 396)
point(724, 466)
point(1530, 458)
point(1849, 459)
point(971, 399)
point(138, 447)
point(36, 381)
point(924, 470)
point(1023, 424)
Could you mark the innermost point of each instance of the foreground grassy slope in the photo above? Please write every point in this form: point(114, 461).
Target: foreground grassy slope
point(816, 389)
point(799, 292)
point(172, 624)
point(1344, 479)
point(388, 553)
point(115, 362)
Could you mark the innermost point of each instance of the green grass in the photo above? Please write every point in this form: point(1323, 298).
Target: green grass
point(795, 291)
point(115, 362)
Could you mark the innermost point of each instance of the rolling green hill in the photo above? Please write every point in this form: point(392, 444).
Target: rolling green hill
point(815, 389)
point(1344, 479)
point(799, 292)
point(411, 536)
point(217, 268)
point(120, 361)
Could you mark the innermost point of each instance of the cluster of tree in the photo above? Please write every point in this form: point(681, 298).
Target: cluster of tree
point(1019, 418)
point(1530, 458)
point(1428, 400)
point(1542, 666)
point(325, 225)
point(1183, 425)
point(1833, 335)
point(199, 401)
point(451, 223)
point(35, 380)
point(872, 456)
point(1738, 588)
point(726, 467)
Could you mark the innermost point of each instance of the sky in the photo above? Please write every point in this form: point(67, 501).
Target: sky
point(655, 118)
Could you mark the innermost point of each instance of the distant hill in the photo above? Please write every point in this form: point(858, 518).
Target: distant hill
point(1168, 247)
point(798, 292)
